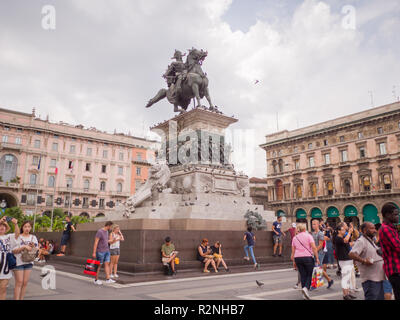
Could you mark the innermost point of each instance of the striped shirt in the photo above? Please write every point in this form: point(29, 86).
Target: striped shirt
point(390, 243)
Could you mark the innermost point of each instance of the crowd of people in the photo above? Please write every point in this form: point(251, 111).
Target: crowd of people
point(374, 256)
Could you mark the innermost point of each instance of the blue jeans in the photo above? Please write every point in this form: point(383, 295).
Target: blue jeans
point(103, 257)
point(373, 290)
point(329, 254)
point(251, 253)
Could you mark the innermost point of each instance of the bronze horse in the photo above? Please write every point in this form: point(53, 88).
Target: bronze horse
point(194, 84)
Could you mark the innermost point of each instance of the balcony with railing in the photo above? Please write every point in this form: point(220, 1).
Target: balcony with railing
point(10, 146)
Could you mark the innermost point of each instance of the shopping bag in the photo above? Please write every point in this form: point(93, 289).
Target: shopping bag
point(91, 267)
point(317, 279)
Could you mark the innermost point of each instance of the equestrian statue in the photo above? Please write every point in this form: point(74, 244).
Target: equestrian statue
point(185, 80)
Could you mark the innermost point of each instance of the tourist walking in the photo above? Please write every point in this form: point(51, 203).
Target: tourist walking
point(366, 253)
point(303, 250)
point(251, 241)
point(204, 255)
point(329, 258)
point(390, 243)
point(101, 252)
point(169, 254)
point(5, 249)
point(115, 239)
point(277, 236)
point(25, 242)
point(66, 236)
point(342, 245)
point(319, 239)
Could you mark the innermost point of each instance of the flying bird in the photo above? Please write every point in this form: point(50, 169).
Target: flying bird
point(153, 210)
point(207, 204)
point(257, 81)
point(259, 284)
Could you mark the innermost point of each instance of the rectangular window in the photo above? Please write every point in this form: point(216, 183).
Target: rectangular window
point(310, 146)
point(18, 140)
point(296, 149)
point(66, 203)
point(35, 160)
point(343, 154)
point(120, 171)
point(89, 151)
point(37, 144)
point(103, 168)
point(325, 142)
point(360, 135)
point(54, 146)
point(139, 156)
point(311, 162)
point(105, 154)
point(341, 138)
point(73, 139)
point(19, 130)
point(5, 139)
point(382, 148)
point(363, 153)
point(31, 199)
point(327, 157)
point(72, 148)
point(49, 200)
point(121, 156)
point(380, 130)
point(53, 163)
point(56, 136)
point(297, 164)
point(7, 128)
point(138, 171)
point(85, 203)
point(101, 203)
point(38, 133)
point(87, 166)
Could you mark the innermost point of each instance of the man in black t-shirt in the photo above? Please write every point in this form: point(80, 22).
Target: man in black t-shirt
point(66, 235)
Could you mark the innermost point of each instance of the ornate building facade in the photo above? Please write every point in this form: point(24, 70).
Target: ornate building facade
point(344, 169)
point(46, 165)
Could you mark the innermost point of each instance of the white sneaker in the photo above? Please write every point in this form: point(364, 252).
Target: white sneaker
point(36, 259)
point(305, 293)
point(112, 276)
point(116, 276)
point(110, 281)
point(296, 286)
point(98, 282)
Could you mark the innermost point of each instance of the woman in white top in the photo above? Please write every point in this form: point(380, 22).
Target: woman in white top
point(5, 248)
point(22, 272)
point(114, 240)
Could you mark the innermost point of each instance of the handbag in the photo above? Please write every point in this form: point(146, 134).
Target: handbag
point(29, 255)
point(91, 267)
point(11, 260)
point(317, 279)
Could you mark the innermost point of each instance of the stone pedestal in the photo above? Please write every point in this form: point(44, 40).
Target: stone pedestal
point(203, 190)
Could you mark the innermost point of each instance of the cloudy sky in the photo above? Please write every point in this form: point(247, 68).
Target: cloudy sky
point(105, 59)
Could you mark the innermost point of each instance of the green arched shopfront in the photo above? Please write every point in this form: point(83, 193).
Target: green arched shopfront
point(301, 214)
point(370, 213)
point(351, 215)
point(316, 213)
point(332, 212)
point(280, 213)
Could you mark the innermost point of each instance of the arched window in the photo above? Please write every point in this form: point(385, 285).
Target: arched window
point(51, 181)
point(69, 182)
point(313, 190)
point(8, 167)
point(329, 188)
point(274, 168)
point(103, 186)
point(387, 182)
point(366, 183)
point(86, 184)
point(347, 186)
point(119, 187)
point(279, 190)
point(299, 192)
point(32, 179)
point(280, 164)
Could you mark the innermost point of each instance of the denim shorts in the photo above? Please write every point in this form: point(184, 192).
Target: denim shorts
point(24, 267)
point(103, 256)
point(115, 252)
point(387, 287)
point(277, 239)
